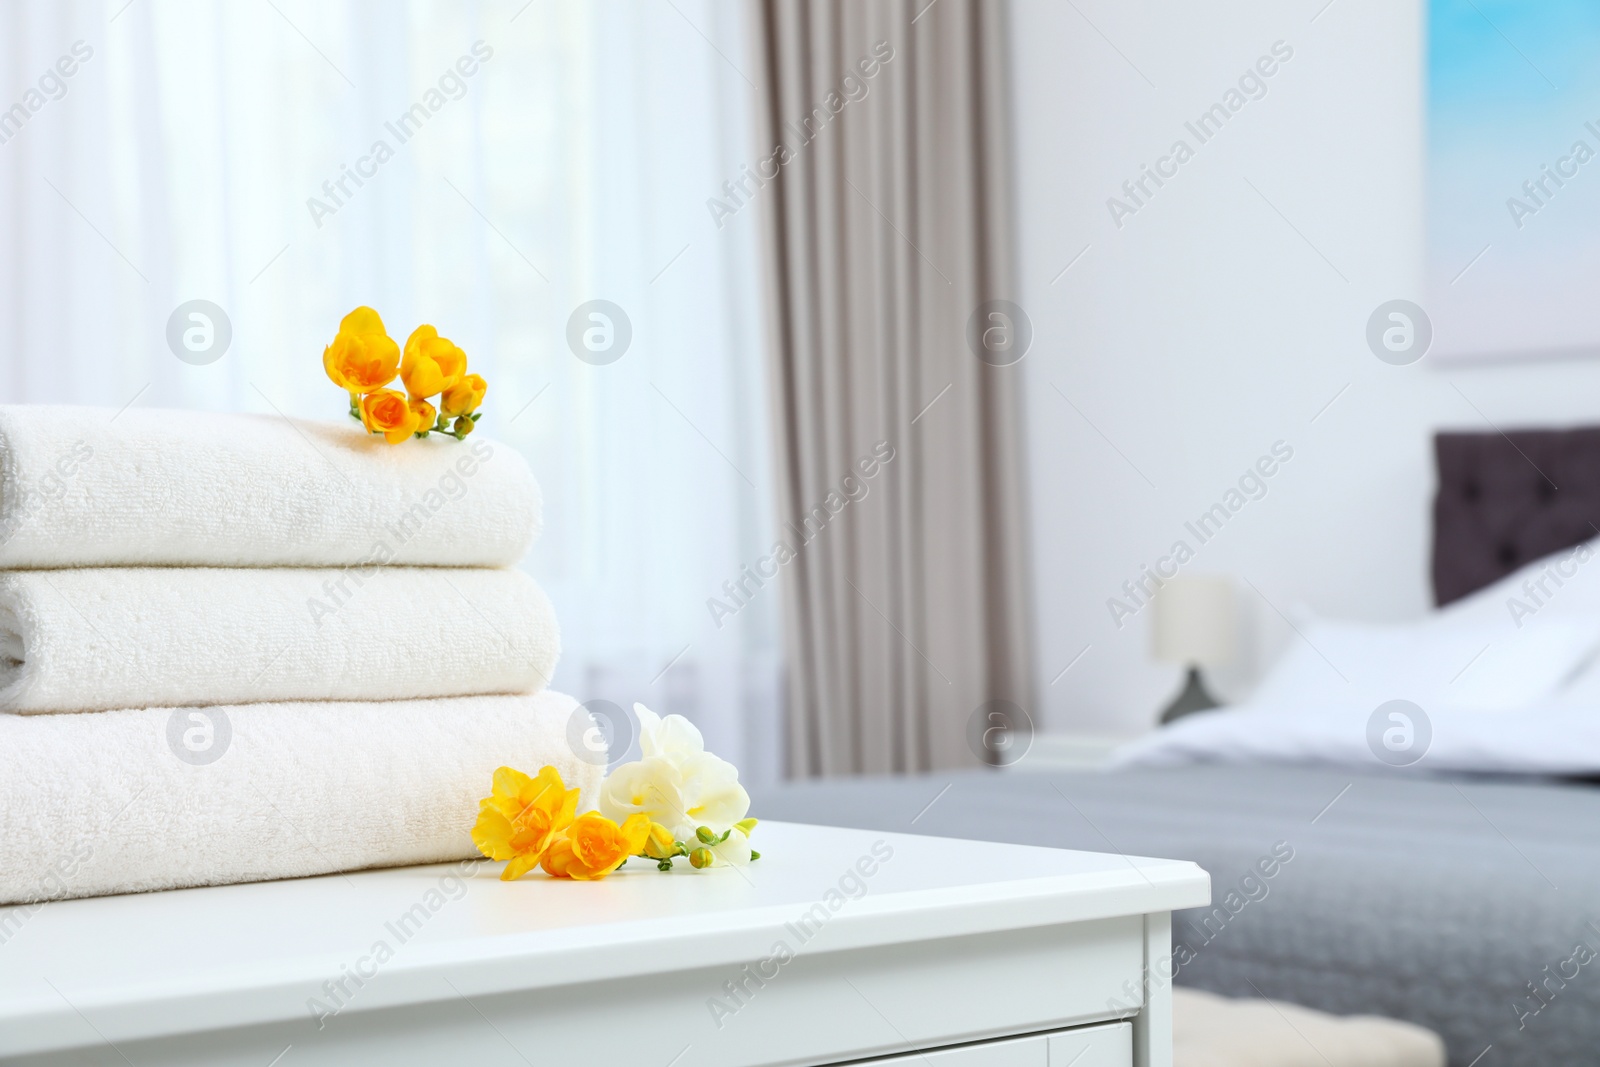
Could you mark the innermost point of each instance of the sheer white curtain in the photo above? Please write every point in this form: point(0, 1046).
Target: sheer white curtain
point(562, 152)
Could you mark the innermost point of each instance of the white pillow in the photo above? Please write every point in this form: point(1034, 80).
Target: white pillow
point(1563, 583)
point(1437, 663)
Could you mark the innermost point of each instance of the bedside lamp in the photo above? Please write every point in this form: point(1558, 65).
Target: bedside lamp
point(1195, 625)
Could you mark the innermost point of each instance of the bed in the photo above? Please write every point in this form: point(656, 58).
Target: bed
point(1461, 893)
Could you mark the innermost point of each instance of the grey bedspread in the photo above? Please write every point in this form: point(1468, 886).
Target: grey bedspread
point(1470, 906)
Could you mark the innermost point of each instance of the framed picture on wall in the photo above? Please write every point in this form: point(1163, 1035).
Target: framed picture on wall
point(1513, 179)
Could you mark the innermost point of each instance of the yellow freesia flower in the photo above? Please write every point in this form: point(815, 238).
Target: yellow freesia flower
point(594, 846)
point(363, 360)
point(431, 363)
point(464, 397)
point(362, 356)
point(386, 411)
point(522, 818)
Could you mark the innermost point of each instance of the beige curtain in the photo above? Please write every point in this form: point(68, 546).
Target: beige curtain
point(884, 192)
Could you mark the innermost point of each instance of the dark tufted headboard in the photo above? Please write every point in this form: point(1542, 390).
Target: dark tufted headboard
point(1507, 499)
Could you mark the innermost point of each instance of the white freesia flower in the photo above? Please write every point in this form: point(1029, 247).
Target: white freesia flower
point(674, 737)
point(712, 794)
point(650, 787)
point(678, 783)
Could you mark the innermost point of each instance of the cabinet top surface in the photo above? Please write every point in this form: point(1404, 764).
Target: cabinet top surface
point(846, 888)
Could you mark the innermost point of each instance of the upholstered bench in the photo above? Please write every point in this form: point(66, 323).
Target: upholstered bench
point(1213, 1031)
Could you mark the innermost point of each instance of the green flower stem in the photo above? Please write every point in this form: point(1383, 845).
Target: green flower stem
point(682, 848)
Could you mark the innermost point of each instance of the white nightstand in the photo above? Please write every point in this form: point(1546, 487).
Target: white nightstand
point(836, 946)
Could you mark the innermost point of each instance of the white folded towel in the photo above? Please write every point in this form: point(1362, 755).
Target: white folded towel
point(123, 802)
point(92, 639)
point(89, 487)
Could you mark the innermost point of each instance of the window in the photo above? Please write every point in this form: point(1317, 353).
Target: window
point(485, 168)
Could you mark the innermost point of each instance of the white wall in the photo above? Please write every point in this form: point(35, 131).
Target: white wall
point(1207, 328)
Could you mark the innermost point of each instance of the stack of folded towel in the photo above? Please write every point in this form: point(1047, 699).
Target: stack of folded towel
point(236, 648)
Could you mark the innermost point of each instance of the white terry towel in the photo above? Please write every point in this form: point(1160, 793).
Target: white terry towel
point(92, 487)
point(123, 802)
point(94, 639)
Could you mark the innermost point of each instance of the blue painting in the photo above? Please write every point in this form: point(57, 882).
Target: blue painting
point(1513, 184)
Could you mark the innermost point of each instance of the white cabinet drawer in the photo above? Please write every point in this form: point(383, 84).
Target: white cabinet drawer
point(1091, 1046)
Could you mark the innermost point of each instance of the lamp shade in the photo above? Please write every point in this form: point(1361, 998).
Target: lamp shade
point(1194, 620)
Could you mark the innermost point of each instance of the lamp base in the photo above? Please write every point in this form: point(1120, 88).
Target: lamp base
point(1192, 698)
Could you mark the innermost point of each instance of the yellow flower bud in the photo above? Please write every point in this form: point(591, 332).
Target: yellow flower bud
point(465, 425)
point(700, 857)
point(424, 412)
point(431, 363)
point(659, 845)
point(464, 397)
